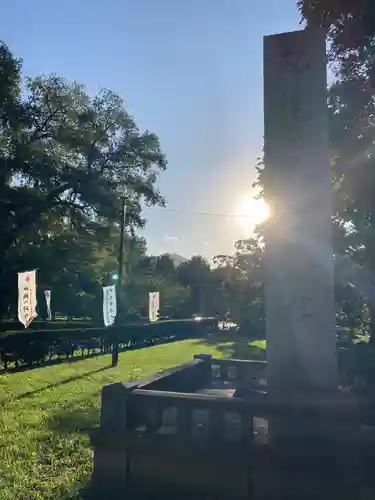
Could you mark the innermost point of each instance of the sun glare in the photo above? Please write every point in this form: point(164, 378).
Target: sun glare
point(252, 212)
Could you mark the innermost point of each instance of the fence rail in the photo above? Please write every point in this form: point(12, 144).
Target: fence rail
point(184, 434)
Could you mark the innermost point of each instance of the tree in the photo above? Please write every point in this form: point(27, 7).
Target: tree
point(195, 273)
point(351, 135)
point(63, 157)
point(243, 292)
point(350, 26)
point(165, 267)
point(156, 273)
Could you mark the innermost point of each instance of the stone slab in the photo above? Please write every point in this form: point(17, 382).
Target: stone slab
point(300, 311)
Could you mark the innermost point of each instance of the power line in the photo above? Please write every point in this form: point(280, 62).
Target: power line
point(203, 214)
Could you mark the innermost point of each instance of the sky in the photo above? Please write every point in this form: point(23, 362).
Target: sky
point(188, 70)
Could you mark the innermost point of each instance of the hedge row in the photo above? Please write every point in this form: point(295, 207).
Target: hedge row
point(16, 326)
point(13, 326)
point(35, 346)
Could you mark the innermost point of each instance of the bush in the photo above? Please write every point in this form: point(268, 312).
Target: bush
point(16, 326)
point(31, 346)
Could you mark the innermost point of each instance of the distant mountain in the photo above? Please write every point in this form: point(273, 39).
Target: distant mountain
point(177, 259)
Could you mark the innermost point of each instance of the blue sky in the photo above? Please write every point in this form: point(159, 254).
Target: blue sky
point(188, 70)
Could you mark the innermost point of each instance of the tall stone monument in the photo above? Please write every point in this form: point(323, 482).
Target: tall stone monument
point(300, 311)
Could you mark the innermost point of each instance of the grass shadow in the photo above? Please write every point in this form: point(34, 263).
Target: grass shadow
point(51, 362)
point(74, 420)
point(236, 347)
point(242, 351)
point(79, 357)
point(62, 382)
point(140, 492)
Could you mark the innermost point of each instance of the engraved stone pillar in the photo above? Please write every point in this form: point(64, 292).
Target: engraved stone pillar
point(300, 312)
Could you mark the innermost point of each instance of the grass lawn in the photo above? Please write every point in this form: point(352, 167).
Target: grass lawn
point(46, 412)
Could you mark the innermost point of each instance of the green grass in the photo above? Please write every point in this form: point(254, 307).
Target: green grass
point(46, 413)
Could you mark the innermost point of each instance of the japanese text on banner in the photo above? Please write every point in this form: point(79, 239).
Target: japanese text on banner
point(153, 306)
point(27, 297)
point(47, 295)
point(109, 305)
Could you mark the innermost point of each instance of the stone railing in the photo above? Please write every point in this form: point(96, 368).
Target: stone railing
point(166, 433)
point(236, 370)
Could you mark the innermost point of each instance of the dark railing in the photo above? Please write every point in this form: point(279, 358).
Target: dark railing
point(174, 432)
point(238, 369)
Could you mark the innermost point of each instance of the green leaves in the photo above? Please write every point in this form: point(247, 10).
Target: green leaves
point(350, 26)
point(63, 154)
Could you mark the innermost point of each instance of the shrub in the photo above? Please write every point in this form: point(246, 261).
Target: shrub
point(31, 346)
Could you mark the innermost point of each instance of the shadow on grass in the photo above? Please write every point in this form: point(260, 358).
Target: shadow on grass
point(62, 382)
point(80, 357)
point(70, 422)
point(52, 362)
point(73, 420)
point(235, 347)
point(90, 493)
point(81, 420)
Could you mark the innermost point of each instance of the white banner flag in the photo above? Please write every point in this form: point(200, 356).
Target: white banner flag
point(109, 305)
point(27, 297)
point(153, 306)
point(47, 294)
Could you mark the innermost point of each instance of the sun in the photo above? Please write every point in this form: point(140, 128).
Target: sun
point(251, 212)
